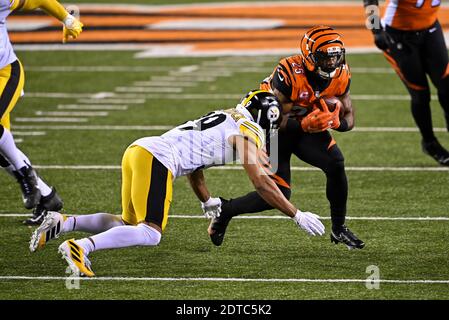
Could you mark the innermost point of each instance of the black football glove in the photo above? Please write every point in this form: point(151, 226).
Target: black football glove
point(382, 39)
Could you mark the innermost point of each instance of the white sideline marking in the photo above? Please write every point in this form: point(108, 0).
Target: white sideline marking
point(303, 280)
point(167, 127)
point(237, 167)
point(90, 107)
point(70, 114)
point(50, 120)
point(277, 217)
point(185, 77)
point(20, 140)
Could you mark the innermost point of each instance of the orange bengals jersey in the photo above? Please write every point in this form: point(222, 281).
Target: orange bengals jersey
point(289, 78)
point(411, 14)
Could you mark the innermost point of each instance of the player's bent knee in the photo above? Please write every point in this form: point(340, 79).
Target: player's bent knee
point(287, 192)
point(151, 235)
point(420, 97)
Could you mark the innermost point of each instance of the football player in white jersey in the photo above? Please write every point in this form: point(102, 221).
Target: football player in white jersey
point(36, 193)
point(149, 167)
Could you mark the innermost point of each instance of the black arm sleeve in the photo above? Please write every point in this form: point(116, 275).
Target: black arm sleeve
point(281, 81)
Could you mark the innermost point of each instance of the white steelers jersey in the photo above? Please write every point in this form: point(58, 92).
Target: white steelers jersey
point(203, 143)
point(7, 55)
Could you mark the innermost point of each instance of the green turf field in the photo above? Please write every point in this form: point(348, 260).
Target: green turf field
point(405, 251)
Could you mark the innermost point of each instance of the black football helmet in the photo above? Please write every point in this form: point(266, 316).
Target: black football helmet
point(264, 107)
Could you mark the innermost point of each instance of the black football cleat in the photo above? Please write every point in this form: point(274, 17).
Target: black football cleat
point(52, 202)
point(345, 236)
point(436, 151)
point(217, 227)
point(27, 178)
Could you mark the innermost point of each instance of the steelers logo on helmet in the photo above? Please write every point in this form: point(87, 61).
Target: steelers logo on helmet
point(264, 108)
point(323, 52)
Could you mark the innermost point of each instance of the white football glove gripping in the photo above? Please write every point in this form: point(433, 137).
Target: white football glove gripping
point(309, 222)
point(211, 208)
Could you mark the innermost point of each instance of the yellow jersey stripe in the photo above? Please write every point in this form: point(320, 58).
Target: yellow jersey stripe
point(256, 129)
point(253, 135)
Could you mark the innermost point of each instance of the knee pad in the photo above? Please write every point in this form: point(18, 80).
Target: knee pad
point(152, 236)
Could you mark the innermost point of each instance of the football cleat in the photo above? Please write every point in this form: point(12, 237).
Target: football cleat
point(436, 151)
point(217, 226)
point(52, 202)
point(74, 255)
point(27, 178)
point(50, 228)
point(345, 236)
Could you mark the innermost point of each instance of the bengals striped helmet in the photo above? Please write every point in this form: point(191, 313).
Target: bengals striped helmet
point(322, 50)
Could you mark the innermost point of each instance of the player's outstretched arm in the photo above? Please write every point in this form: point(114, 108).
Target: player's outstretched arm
point(211, 206)
point(72, 26)
point(270, 192)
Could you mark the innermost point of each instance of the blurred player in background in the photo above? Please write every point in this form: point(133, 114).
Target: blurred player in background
point(35, 192)
point(412, 40)
point(302, 83)
point(149, 167)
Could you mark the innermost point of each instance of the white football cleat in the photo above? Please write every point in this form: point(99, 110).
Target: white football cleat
point(49, 229)
point(74, 255)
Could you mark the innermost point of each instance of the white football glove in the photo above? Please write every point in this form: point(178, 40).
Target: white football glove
point(309, 222)
point(211, 208)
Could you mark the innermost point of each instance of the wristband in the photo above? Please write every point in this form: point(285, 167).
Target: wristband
point(343, 125)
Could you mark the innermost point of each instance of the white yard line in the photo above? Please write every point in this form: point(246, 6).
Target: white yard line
point(156, 83)
point(168, 127)
point(238, 168)
point(267, 217)
point(148, 89)
point(121, 98)
point(91, 107)
point(46, 119)
point(29, 133)
point(114, 101)
point(218, 279)
point(72, 114)
point(212, 66)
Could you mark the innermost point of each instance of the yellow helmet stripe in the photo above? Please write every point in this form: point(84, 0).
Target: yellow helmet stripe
point(252, 95)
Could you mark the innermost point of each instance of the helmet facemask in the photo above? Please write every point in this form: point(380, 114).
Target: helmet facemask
point(327, 63)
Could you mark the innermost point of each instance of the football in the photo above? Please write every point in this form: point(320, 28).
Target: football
point(332, 103)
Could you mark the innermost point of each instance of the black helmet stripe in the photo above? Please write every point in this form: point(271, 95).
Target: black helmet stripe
point(328, 42)
point(310, 36)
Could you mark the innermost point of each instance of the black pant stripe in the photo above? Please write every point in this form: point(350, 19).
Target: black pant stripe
point(157, 193)
point(10, 88)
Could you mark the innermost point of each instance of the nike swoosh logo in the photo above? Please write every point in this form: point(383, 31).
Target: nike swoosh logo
point(432, 30)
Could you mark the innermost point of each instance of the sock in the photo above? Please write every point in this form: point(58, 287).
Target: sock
point(44, 188)
point(9, 150)
point(7, 166)
point(121, 237)
point(92, 223)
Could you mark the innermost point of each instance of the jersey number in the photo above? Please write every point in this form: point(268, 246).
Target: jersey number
point(420, 3)
point(210, 120)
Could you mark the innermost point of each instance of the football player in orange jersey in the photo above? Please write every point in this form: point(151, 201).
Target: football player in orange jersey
point(412, 40)
point(301, 82)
